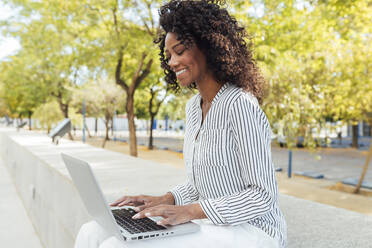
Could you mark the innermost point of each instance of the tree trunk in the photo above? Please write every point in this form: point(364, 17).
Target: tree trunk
point(339, 136)
point(107, 137)
point(96, 126)
point(64, 108)
point(107, 125)
point(112, 126)
point(138, 77)
point(154, 113)
point(365, 168)
point(86, 127)
point(355, 136)
point(152, 116)
point(29, 120)
point(70, 136)
point(151, 138)
point(131, 124)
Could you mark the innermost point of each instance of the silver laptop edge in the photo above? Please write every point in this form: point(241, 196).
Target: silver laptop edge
point(87, 185)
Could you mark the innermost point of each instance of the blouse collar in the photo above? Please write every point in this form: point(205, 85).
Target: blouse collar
point(218, 95)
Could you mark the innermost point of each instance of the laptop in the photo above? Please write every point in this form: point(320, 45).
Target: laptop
point(117, 221)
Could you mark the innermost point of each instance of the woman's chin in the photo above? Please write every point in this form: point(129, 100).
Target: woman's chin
point(184, 83)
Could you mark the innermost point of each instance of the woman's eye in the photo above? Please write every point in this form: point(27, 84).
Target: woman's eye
point(181, 52)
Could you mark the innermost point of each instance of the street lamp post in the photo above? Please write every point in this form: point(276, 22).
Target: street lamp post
point(289, 163)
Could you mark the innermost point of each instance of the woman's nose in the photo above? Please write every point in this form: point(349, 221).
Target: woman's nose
point(173, 63)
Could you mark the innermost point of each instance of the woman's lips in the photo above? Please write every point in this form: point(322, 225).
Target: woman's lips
point(180, 72)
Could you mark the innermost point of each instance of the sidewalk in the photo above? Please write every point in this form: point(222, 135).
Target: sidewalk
point(16, 229)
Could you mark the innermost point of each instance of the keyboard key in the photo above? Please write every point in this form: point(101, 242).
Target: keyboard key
point(124, 218)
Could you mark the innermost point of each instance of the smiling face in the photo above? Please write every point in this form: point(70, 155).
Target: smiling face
point(189, 64)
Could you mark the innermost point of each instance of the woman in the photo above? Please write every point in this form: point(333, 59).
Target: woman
point(231, 179)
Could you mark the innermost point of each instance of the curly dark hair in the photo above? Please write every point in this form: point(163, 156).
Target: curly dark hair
point(218, 35)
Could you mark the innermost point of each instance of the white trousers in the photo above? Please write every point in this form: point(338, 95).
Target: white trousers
point(91, 235)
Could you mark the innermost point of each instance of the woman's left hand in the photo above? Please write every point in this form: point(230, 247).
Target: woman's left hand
point(173, 215)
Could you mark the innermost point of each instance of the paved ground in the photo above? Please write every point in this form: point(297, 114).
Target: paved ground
point(16, 229)
point(335, 164)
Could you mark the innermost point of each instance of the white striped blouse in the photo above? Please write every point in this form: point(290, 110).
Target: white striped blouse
point(229, 165)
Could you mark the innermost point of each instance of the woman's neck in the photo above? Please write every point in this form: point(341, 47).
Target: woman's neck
point(208, 89)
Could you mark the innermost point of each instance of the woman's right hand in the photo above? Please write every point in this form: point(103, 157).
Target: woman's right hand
point(142, 202)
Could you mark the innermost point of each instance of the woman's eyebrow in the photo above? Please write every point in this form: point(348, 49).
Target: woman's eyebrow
point(166, 50)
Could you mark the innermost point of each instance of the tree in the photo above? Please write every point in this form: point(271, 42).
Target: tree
point(89, 93)
point(101, 36)
point(308, 54)
point(350, 23)
point(157, 97)
point(289, 45)
point(48, 114)
point(3, 105)
point(176, 104)
point(102, 98)
point(367, 112)
point(364, 171)
point(47, 32)
point(141, 72)
point(126, 47)
point(22, 92)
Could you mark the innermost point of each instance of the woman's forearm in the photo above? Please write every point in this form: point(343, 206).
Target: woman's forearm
point(196, 211)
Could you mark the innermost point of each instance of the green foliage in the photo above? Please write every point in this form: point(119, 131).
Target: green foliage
point(141, 104)
point(315, 56)
point(21, 89)
point(175, 105)
point(48, 114)
point(102, 98)
point(75, 117)
point(3, 106)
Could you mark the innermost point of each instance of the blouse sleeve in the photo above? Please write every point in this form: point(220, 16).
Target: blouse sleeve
point(251, 132)
point(185, 194)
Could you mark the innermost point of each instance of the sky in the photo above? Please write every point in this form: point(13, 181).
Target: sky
point(8, 45)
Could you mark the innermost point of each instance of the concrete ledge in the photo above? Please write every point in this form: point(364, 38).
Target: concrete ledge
point(57, 212)
point(312, 224)
point(16, 229)
point(55, 207)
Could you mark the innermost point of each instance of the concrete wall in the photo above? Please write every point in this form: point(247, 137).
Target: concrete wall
point(48, 194)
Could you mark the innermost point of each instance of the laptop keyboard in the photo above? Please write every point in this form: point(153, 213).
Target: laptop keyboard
point(124, 218)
